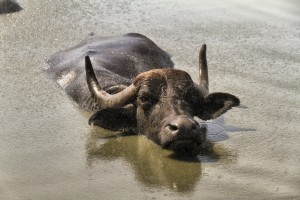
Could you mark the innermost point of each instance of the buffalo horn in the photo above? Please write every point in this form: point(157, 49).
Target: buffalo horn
point(104, 99)
point(203, 72)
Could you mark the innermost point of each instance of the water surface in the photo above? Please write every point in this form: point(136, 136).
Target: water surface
point(48, 151)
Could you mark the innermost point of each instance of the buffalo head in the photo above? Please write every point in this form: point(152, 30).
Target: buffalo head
point(161, 104)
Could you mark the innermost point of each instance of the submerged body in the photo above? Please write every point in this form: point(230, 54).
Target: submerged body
point(116, 61)
point(130, 83)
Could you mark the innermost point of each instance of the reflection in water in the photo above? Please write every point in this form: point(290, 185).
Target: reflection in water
point(218, 130)
point(153, 166)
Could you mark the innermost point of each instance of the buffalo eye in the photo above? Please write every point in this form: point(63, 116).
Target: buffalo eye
point(193, 97)
point(147, 101)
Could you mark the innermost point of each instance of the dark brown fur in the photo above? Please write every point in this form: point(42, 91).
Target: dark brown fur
point(161, 102)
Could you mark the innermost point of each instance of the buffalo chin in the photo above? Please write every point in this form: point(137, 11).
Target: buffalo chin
point(184, 147)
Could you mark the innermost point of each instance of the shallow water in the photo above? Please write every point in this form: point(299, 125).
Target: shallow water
point(48, 151)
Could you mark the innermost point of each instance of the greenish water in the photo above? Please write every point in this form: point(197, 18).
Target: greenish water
point(48, 151)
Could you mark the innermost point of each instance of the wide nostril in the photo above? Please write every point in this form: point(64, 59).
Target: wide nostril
point(173, 127)
point(194, 127)
point(183, 125)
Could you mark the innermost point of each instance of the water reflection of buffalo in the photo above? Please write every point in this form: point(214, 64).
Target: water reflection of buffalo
point(153, 167)
point(8, 6)
point(130, 83)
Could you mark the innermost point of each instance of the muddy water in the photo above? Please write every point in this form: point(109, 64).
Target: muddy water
point(47, 150)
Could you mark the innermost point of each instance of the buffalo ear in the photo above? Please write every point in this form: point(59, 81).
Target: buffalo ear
point(215, 104)
point(115, 119)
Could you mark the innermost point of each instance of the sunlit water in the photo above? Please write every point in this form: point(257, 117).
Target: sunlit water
point(48, 151)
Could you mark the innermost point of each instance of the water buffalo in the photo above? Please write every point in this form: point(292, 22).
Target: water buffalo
point(8, 6)
point(130, 83)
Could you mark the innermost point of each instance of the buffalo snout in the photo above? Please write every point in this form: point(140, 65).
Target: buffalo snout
point(184, 136)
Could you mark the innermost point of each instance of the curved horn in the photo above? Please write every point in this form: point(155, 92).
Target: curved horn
point(203, 72)
point(104, 99)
